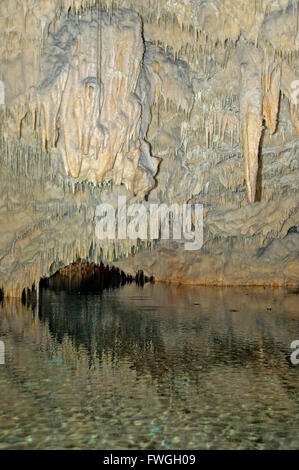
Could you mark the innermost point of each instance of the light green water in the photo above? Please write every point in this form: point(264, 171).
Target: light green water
point(158, 367)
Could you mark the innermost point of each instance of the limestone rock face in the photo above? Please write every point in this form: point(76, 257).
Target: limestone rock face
point(160, 101)
point(86, 101)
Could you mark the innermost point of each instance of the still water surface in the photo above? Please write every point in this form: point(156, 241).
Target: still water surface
point(153, 367)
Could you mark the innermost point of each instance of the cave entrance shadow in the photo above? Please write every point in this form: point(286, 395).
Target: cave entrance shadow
point(259, 182)
point(82, 277)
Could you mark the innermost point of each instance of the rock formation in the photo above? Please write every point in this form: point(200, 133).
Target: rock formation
point(159, 101)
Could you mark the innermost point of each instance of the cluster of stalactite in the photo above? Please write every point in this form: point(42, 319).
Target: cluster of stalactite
point(102, 94)
point(81, 118)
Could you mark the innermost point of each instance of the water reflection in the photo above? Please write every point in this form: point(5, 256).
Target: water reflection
point(153, 367)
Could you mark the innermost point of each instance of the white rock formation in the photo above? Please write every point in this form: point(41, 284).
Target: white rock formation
point(170, 101)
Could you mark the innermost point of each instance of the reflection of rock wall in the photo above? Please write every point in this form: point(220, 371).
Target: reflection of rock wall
point(175, 356)
point(174, 101)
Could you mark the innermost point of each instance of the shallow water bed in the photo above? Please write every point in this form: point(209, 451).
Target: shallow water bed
point(153, 367)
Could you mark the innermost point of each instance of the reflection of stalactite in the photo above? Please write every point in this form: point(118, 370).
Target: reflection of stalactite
point(122, 331)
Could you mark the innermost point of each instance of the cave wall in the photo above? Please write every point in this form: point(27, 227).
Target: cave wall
point(159, 101)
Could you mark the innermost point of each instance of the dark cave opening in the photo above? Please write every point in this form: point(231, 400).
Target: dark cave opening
point(82, 277)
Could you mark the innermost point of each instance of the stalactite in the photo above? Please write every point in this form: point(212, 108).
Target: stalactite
point(271, 99)
point(251, 114)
